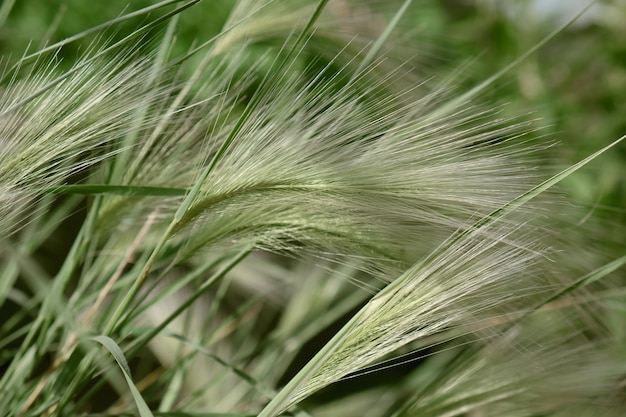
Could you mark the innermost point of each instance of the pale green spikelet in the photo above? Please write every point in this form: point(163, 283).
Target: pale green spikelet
point(57, 125)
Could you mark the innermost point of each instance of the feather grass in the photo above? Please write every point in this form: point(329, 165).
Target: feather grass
point(195, 174)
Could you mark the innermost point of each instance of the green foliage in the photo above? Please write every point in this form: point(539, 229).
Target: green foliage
point(293, 208)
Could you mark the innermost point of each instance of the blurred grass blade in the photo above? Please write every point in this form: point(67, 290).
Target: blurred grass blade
point(588, 279)
point(375, 49)
point(106, 25)
point(5, 9)
point(111, 346)
point(454, 104)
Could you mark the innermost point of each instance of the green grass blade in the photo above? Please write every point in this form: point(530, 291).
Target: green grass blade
point(127, 190)
point(453, 105)
point(207, 284)
point(375, 49)
point(111, 346)
point(591, 277)
point(549, 183)
point(5, 9)
point(103, 26)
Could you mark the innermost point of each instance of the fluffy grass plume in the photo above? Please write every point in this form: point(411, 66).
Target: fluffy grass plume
point(249, 223)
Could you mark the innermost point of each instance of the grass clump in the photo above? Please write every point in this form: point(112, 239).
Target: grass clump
point(253, 225)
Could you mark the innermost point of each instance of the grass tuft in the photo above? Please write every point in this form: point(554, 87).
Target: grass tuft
point(282, 216)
